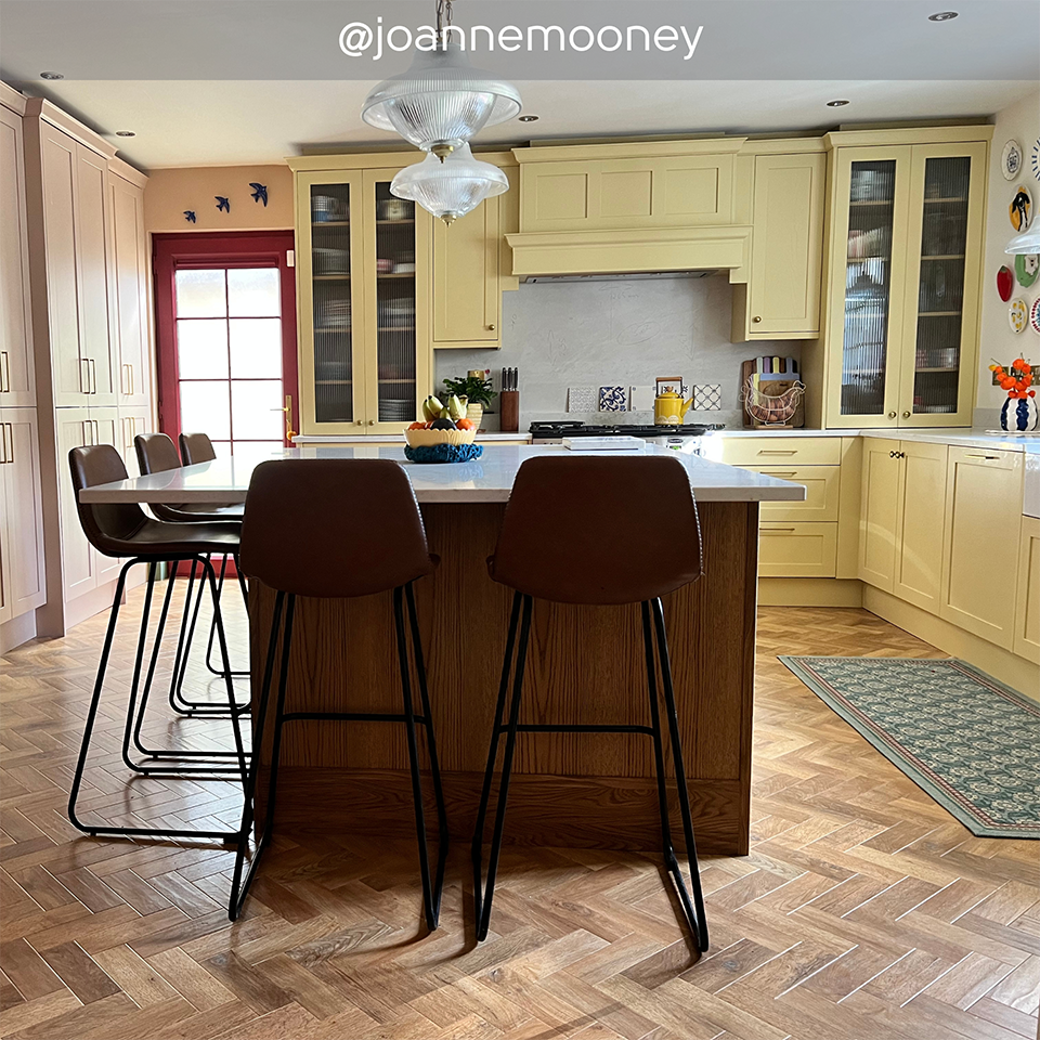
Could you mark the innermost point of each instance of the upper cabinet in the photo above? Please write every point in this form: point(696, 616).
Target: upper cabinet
point(381, 284)
point(905, 248)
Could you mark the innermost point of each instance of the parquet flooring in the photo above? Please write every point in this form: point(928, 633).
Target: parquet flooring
point(863, 912)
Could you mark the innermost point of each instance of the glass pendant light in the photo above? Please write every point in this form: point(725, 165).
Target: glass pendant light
point(1028, 242)
point(441, 101)
point(451, 187)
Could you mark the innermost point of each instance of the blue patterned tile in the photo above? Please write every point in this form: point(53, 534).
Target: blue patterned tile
point(613, 399)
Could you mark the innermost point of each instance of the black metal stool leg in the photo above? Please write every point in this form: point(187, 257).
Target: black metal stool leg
point(431, 744)
point(695, 914)
point(212, 627)
point(507, 766)
point(655, 722)
point(240, 887)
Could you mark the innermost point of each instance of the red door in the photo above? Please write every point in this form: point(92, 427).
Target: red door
point(226, 327)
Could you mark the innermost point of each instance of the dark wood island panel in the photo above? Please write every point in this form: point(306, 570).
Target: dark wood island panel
point(585, 664)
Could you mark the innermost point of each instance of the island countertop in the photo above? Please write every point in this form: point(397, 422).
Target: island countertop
point(487, 479)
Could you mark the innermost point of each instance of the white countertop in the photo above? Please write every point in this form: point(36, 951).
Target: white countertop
point(487, 479)
point(310, 439)
point(961, 436)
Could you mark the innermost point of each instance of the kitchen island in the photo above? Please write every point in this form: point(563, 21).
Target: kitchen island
point(585, 665)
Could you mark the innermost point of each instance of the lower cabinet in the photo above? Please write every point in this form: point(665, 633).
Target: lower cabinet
point(879, 502)
point(919, 511)
point(1027, 607)
point(983, 522)
point(797, 550)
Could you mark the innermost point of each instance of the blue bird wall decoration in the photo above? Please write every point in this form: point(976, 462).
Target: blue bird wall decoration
point(223, 203)
point(189, 216)
point(259, 192)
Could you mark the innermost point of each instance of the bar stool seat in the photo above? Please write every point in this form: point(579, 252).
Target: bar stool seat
point(345, 552)
point(124, 531)
point(568, 537)
point(156, 453)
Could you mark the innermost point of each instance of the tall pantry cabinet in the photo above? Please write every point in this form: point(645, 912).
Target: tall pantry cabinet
point(22, 574)
point(90, 319)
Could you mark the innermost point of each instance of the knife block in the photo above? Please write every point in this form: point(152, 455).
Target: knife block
point(509, 409)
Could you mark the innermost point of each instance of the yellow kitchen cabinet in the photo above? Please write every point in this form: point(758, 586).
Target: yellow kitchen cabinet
point(363, 296)
point(782, 298)
point(797, 550)
point(776, 449)
point(902, 272)
point(879, 512)
point(921, 506)
point(1027, 607)
point(982, 528)
point(822, 485)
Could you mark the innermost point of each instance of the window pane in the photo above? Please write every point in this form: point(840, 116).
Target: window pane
point(200, 294)
point(252, 452)
point(257, 410)
point(256, 348)
point(254, 292)
point(204, 406)
point(202, 351)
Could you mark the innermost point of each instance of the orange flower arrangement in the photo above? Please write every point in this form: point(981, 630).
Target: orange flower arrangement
point(1017, 381)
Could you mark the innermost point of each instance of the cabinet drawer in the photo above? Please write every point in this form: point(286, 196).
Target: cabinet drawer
point(822, 484)
point(782, 451)
point(797, 550)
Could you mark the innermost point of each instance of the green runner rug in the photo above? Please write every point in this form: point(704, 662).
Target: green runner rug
point(968, 740)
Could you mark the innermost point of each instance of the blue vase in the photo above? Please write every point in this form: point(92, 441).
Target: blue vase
point(1020, 415)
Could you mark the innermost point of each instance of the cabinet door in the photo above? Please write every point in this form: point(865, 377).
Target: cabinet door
point(92, 250)
point(941, 311)
point(398, 355)
point(467, 299)
point(1027, 613)
point(78, 559)
point(983, 520)
point(922, 504)
point(23, 578)
point(17, 374)
point(867, 271)
point(129, 275)
point(329, 267)
point(107, 430)
point(70, 376)
point(132, 423)
point(879, 505)
point(784, 294)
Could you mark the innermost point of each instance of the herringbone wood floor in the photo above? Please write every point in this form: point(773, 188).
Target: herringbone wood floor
point(864, 911)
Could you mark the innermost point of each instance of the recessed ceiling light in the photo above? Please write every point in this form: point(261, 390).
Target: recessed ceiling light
point(125, 133)
point(942, 16)
point(52, 75)
point(837, 104)
point(528, 119)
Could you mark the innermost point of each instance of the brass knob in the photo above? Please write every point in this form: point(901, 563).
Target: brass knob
point(371, 422)
point(906, 415)
point(757, 318)
point(891, 415)
point(492, 327)
point(358, 422)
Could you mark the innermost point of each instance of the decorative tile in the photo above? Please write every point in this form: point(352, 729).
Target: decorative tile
point(707, 398)
point(613, 399)
point(641, 398)
point(582, 399)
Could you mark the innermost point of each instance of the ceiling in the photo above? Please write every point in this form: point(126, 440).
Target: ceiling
point(223, 121)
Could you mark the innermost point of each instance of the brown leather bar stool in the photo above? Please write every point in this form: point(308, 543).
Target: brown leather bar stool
point(124, 531)
point(156, 453)
point(568, 538)
point(196, 448)
point(346, 553)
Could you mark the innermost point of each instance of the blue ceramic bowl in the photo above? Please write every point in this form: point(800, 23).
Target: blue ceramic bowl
point(444, 453)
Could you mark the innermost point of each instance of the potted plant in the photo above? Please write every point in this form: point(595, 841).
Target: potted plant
point(475, 389)
point(1020, 413)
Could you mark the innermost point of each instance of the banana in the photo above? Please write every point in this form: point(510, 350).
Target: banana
point(432, 408)
point(456, 409)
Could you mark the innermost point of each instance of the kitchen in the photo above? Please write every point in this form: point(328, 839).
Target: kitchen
point(629, 300)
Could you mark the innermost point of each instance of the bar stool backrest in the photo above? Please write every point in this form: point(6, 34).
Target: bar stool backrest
point(196, 447)
point(599, 530)
point(107, 525)
point(156, 453)
point(333, 528)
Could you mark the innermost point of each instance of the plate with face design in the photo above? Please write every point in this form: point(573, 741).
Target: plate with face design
point(1027, 266)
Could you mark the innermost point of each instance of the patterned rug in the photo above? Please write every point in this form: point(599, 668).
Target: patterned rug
point(971, 742)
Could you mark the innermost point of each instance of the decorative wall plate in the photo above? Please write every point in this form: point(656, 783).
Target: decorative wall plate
point(1018, 315)
point(1021, 209)
point(1011, 160)
point(1034, 316)
point(1035, 161)
point(1026, 269)
point(1005, 283)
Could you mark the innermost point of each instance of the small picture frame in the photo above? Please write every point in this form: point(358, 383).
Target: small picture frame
point(665, 383)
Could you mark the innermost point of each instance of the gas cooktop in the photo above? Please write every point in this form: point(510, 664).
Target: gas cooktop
point(556, 430)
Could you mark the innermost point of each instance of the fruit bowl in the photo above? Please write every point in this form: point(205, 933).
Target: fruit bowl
point(429, 438)
point(444, 453)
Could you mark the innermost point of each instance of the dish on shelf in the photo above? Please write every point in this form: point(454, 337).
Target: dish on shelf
point(1026, 268)
point(1011, 160)
point(1018, 315)
point(1020, 209)
point(1034, 316)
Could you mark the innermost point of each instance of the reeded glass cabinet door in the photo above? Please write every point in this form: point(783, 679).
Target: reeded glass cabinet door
point(937, 380)
point(868, 310)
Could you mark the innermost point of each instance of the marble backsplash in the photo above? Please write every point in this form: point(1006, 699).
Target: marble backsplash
point(615, 333)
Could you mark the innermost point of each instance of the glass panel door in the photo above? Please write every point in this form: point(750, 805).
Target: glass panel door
point(868, 287)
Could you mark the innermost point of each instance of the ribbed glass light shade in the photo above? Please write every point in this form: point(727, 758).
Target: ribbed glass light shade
point(452, 188)
point(440, 100)
point(1028, 242)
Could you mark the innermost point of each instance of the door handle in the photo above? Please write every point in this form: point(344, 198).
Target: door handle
point(84, 384)
point(777, 530)
point(765, 452)
point(5, 372)
point(8, 455)
point(86, 432)
point(289, 431)
point(779, 473)
point(131, 367)
point(92, 373)
point(990, 458)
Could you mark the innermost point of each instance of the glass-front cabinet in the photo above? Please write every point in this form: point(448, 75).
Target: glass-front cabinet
point(364, 282)
point(906, 249)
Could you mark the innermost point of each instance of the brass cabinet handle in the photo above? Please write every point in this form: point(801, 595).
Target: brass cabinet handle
point(906, 415)
point(92, 371)
point(991, 458)
point(6, 428)
point(764, 451)
point(780, 473)
point(5, 372)
point(757, 318)
point(358, 422)
point(371, 422)
point(491, 327)
point(777, 530)
point(891, 415)
point(84, 384)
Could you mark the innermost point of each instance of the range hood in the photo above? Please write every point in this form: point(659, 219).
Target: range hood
point(639, 276)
